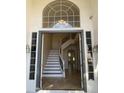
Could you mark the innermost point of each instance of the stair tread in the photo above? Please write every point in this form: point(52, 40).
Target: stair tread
point(53, 63)
point(52, 73)
point(46, 72)
point(53, 60)
point(52, 67)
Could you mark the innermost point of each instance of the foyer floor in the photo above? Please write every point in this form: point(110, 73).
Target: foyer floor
point(70, 82)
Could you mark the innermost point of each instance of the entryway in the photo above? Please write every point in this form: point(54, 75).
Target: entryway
point(72, 81)
point(55, 75)
point(61, 61)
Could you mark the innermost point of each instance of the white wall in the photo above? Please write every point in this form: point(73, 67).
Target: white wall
point(87, 8)
point(94, 13)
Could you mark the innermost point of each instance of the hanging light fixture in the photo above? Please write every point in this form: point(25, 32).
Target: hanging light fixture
point(27, 48)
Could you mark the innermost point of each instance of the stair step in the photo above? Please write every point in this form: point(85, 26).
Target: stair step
point(56, 68)
point(53, 61)
point(52, 57)
point(54, 54)
point(52, 72)
point(52, 69)
point(52, 65)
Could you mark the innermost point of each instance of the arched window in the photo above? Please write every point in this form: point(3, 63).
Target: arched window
point(61, 10)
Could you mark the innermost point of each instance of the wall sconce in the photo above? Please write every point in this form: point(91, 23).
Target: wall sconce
point(69, 54)
point(73, 58)
point(27, 49)
point(95, 48)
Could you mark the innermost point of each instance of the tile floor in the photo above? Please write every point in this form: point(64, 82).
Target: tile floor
point(70, 82)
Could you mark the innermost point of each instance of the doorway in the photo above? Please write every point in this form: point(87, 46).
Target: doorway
point(53, 75)
point(74, 75)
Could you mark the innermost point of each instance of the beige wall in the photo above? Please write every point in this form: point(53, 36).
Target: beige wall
point(47, 46)
point(56, 40)
point(94, 12)
point(87, 8)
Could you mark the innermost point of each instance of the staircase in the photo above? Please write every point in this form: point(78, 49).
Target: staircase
point(52, 67)
point(67, 43)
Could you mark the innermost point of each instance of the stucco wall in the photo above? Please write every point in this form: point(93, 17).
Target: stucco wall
point(87, 8)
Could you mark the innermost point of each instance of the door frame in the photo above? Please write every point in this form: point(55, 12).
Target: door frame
point(82, 53)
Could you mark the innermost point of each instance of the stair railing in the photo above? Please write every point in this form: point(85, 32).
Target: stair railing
point(66, 41)
point(62, 63)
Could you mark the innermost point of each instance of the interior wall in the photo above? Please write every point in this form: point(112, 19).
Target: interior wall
point(65, 56)
point(47, 46)
point(77, 54)
point(56, 40)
